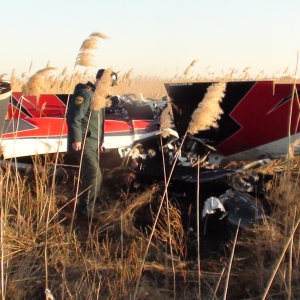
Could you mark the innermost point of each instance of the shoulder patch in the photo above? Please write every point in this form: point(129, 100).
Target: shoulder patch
point(79, 100)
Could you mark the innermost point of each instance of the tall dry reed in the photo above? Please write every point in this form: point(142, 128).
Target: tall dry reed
point(189, 68)
point(102, 92)
point(85, 57)
point(208, 112)
point(166, 122)
point(34, 86)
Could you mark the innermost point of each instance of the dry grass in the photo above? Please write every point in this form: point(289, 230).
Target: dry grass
point(188, 69)
point(35, 84)
point(99, 266)
point(149, 86)
point(85, 57)
point(103, 90)
point(63, 83)
point(104, 262)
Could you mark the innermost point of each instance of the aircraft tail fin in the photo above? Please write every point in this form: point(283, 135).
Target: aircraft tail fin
point(5, 94)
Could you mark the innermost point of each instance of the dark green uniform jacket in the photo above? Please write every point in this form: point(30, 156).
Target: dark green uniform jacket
point(82, 121)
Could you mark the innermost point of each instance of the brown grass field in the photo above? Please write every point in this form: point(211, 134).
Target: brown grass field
point(103, 259)
point(113, 257)
point(152, 87)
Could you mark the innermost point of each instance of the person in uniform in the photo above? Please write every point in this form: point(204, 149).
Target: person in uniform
point(85, 140)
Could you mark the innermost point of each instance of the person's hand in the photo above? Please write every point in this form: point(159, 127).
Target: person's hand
point(102, 149)
point(76, 146)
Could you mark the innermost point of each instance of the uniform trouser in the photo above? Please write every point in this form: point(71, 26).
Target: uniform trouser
point(91, 178)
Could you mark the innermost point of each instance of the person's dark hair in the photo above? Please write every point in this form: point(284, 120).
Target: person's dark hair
point(99, 73)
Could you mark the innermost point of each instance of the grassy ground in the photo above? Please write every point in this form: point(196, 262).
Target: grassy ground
point(103, 259)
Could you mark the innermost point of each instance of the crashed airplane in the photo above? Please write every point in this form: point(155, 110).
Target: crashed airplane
point(259, 122)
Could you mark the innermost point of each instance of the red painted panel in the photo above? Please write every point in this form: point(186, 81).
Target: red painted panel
point(45, 127)
point(116, 126)
point(264, 116)
point(148, 125)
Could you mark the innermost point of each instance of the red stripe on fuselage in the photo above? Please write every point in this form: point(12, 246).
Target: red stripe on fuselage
point(261, 121)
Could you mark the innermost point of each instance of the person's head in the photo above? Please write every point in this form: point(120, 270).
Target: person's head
point(114, 77)
point(99, 73)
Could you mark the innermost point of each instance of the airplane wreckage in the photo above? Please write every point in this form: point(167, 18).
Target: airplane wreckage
point(259, 119)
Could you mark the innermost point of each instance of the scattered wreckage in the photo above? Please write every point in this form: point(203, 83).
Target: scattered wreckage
point(258, 123)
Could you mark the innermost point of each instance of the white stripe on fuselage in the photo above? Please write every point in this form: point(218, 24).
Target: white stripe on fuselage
point(275, 149)
point(20, 147)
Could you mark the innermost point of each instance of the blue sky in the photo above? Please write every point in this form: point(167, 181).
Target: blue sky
point(155, 38)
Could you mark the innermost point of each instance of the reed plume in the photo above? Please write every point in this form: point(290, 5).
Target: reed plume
point(64, 71)
point(30, 66)
point(35, 83)
point(231, 73)
point(103, 90)
point(193, 62)
point(50, 79)
point(246, 69)
point(188, 69)
point(208, 111)
point(13, 78)
point(85, 58)
point(129, 74)
point(64, 82)
point(166, 122)
point(3, 75)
